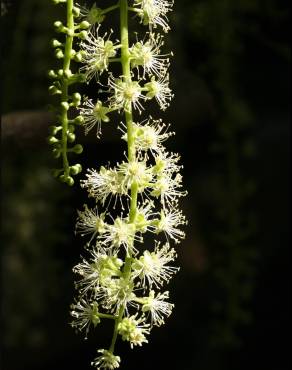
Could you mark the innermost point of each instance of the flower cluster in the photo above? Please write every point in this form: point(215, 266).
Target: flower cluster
point(123, 276)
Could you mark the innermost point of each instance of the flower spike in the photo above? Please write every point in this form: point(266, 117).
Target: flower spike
point(122, 272)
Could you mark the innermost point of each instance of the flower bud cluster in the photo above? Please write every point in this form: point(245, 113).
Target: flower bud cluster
point(63, 133)
point(123, 276)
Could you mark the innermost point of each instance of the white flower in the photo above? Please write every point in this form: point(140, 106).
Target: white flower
point(147, 54)
point(160, 90)
point(93, 115)
point(119, 292)
point(121, 233)
point(106, 361)
point(168, 189)
point(96, 52)
point(149, 135)
point(133, 330)
point(153, 267)
point(169, 222)
point(97, 272)
point(135, 173)
point(158, 307)
point(126, 94)
point(105, 183)
point(89, 222)
point(166, 163)
point(85, 314)
point(153, 12)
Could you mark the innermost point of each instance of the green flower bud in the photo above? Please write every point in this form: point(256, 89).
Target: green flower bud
point(52, 140)
point(79, 120)
point(59, 54)
point(52, 74)
point(54, 129)
point(76, 11)
point(72, 53)
point(82, 35)
point(55, 43)
point(53, 90)
point(78, 57)
point(67, 179)
point(76, 99)
point(76, 169)
point(84, 25)
point(71, 137)
point(59, 26)
point(70, 181)
point(65, 105)
point(78, 149)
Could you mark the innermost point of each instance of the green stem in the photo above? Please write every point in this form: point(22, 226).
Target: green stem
point(111, 8)
point(64, 96)
point(114, 60)
point(130, 8)
point(106, 316)
point(126, 67)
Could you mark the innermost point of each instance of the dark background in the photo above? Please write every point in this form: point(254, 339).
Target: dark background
point(230, 75)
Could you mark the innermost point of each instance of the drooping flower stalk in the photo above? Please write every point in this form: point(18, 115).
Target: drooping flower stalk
point(121, 280)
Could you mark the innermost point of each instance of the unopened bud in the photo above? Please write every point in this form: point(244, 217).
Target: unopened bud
point(75, 170)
